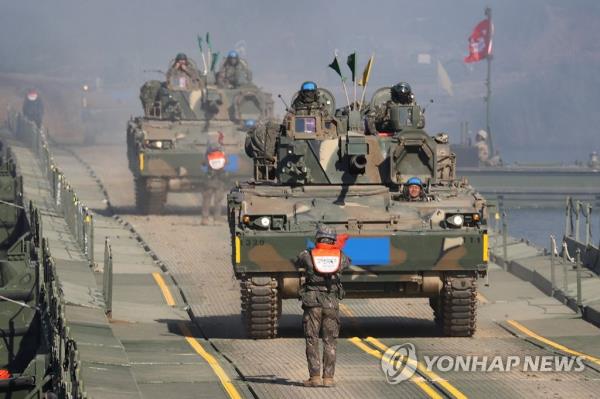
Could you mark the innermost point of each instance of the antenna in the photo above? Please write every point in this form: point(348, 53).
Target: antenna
point(287, 109)
point(425, 107)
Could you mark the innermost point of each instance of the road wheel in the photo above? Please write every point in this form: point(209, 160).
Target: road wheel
point(457, 309)
point(261, 306)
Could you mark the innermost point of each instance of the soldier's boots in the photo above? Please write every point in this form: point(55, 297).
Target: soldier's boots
point(328, 382)
point(314, 381)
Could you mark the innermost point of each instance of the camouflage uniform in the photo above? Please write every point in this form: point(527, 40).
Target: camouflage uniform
point(320, 297)
point(483, 151)
point(232, 76)
point(213, 192)
point(303, 106)
point(184, 77)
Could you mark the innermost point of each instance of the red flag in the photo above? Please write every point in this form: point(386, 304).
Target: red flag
point(341, 240)
point(480, 42)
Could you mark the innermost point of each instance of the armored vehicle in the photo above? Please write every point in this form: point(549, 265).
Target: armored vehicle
point(322, 168)
point(184, 117)
point(24, 355)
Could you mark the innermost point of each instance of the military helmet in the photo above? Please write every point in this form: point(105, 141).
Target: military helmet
point(308, 86)
point(233, 54)
point(325, 233)
point(308, 92)
point(401, 92)
point(414, 181)
point(181, 57)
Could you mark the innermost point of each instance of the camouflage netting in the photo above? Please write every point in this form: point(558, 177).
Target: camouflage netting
point(260, 141)
point(149, 92)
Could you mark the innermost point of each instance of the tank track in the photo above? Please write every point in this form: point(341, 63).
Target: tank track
point(455, 310)
point(149, 201)
point(261, 306)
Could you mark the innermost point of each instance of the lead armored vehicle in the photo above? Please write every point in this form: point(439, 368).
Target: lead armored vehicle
point(322, 169)
point(184, 117)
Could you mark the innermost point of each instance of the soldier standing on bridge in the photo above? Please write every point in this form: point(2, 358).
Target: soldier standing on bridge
point(33, 108)
point(320, 295)
point(213, 190)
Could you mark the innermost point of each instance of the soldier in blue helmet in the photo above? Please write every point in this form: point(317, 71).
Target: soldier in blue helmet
point(234, 72)
point(414, 189)
point(308, 101)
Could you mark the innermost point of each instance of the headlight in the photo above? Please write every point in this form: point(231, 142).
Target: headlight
point(271, 222)
point(456, 220)
point(159, 144)
point(264, 222)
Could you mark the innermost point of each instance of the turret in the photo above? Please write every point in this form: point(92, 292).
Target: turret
point(321, 149)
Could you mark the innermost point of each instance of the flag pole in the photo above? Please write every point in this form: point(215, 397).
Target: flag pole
point(335, 55)
point(204, 62)
point(354, 102)
point(346, 91)
point(488, 97)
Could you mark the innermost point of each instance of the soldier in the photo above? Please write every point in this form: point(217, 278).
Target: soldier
point(320, 295)
point(414, 189)
point(234, 72)
point(33, 108)
point(483, 150)
point(379, 118)
point(183, 75)
point(308, 101)
point(214, 188)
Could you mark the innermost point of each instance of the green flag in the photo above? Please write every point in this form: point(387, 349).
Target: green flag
point(335, 65)
point(208, 41)
point(215, 58)
point(352, 64)
point(200, 43)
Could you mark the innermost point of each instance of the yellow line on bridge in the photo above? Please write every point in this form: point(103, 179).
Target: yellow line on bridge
point(422, 383)
point(194, 343)
point(551, 343)
point(164, 288)
point(212, 362)
point(421, 367)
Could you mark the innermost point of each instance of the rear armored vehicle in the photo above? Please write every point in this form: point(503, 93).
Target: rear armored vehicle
point(351, 172)
point(192, 132)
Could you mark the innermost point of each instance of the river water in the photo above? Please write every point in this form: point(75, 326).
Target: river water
point(537, 224)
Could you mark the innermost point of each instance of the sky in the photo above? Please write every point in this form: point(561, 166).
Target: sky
point(545, 87)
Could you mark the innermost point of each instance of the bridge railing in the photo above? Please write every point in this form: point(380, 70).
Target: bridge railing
point(63, 358)
point(577, 212)
point(78, 217)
